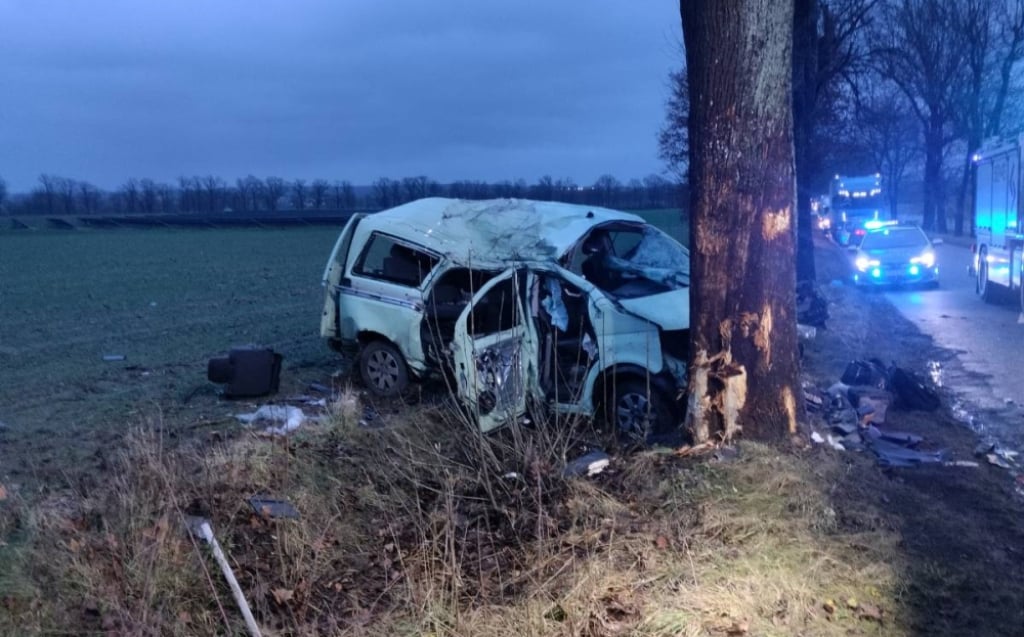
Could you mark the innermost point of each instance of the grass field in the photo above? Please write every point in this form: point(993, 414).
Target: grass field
point(167, 300)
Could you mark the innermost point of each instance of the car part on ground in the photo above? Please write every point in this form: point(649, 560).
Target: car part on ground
point(246, 372)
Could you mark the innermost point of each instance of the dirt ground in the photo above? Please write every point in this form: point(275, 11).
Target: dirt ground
point(962, 528)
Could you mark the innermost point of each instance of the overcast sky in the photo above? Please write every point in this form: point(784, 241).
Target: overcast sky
point(103, 90)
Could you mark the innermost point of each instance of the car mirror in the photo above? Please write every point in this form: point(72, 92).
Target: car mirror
point(937, 242)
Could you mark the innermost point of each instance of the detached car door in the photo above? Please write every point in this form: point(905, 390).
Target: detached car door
point(493, 352)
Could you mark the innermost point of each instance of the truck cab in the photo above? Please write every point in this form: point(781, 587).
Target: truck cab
point(853, 202)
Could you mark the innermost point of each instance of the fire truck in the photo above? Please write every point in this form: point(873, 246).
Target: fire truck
point(998, 231)
point(854, 201)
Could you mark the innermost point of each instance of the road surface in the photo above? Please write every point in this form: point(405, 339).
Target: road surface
point(987, 338)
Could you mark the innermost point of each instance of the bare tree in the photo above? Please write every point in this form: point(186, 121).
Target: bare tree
point(318, 193)
point(607, 189)
point(189, 194)
point(889, 133)
point(995, 30)
point(743, 346)
point(3, 194)
point(254, 192)
point(147, 195)
point(88, 197)
point(66, 194)
point(243, 191)
point(273, 189)
point(344, 195)
point(544, 189)
point(50, 187)
point(920, 48)
point(673, 139)
point(130, 195)
point(415, 187)
point(382, 193)
point(828, 52)
point(214, 189)
point(165, 198)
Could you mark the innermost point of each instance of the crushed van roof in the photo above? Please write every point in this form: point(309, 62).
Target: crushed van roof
point(494, 230)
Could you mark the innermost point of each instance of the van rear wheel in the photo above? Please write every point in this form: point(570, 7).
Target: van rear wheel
point(383, 369)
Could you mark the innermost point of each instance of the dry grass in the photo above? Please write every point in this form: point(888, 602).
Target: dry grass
point(427, 528)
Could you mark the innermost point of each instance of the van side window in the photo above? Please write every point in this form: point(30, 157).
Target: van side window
point(385, 259)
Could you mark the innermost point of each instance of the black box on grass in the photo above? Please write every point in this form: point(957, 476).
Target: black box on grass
point(246, 372)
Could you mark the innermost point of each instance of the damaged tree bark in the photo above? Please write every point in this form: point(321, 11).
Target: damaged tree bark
point(743, 342)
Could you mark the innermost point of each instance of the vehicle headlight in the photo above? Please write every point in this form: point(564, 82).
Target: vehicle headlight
point(927, 259)
point(863, 263)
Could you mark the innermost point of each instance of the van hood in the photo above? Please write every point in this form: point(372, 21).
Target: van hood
point(669, 310)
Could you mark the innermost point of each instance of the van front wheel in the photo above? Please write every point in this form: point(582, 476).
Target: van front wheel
point(383, 369)
point(637, 411)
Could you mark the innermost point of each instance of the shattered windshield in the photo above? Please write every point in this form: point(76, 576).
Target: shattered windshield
point(870, 201)
point(635, 262)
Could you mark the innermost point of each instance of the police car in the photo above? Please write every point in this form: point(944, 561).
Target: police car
point(891, 253)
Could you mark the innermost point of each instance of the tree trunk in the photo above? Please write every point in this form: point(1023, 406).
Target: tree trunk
point(932, 177)
point(805, 97)
point(743, 344)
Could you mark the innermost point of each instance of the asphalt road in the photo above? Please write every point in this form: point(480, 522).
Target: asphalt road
point(987, 338)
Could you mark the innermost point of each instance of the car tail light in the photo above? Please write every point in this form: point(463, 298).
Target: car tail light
point(859, 232)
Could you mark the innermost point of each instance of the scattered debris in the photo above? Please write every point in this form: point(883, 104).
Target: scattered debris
point(269, 507)
point(3, 493)
point(201, 528)
point(589, 464)
point(857, 410)
point(246, 371)
point(807, 332)
point(320, 388)
point(111, 358)
point(869, 373)
point(996, 455)
point(811, 305)
point(725, 454)
point(370, 418)
point(997, 460)
point(292, 417)
point(911, 391)
point(878, 400)
point(961, 463)
point(693, 450)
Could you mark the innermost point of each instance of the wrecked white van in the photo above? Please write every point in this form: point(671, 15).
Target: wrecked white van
point(579, 309)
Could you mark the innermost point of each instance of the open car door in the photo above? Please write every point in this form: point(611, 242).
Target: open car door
point(332, 278)
point(493, 352)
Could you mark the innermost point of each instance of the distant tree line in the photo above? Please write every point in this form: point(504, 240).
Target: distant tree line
point(56, 195)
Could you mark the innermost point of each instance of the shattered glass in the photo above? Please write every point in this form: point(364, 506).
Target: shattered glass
point(655, 259)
